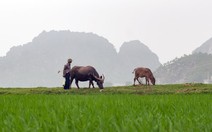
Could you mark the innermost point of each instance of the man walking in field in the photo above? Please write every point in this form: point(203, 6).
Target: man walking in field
point(66, 73)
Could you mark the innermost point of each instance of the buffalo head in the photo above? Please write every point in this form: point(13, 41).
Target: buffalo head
point(99, 81)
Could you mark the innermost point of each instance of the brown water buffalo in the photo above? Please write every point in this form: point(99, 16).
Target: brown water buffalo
point(86, 73)
point(144, 72)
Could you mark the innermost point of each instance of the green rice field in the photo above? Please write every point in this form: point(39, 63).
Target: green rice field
point(182, 108)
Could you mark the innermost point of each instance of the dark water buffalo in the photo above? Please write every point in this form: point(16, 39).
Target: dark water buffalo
point(144, 72)
point(86, 73)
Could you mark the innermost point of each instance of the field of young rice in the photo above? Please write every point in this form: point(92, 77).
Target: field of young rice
point(108, 113)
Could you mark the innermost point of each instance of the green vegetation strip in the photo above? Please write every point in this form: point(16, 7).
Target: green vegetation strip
point(181, 107)
point(117, 112)
point(188, 88)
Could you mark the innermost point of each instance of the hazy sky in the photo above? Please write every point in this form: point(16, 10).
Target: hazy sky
point(170, 28)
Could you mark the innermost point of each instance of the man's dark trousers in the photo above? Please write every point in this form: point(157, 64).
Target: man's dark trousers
point(67, 81)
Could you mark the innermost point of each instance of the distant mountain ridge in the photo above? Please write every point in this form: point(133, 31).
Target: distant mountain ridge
point(36, 63)
point(195, 67)
point(205, 47)
point(134, 54)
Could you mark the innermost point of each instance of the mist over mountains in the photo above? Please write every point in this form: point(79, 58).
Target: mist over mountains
point(205, 47)
point(193, 68)
point(36, 63)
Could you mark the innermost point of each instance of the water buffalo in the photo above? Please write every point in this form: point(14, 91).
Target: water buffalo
point(86, 73)
point(144, 72)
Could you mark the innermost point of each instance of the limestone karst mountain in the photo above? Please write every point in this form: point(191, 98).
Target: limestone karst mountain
point(36, 63)
point(134, 54)
point(205, 47)
point(194, 68)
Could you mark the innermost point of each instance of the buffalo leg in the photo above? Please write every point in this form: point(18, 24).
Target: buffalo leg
point(147, 81)
point(134, 81)
point(91, 83)
point(137, 80)
point(71, 80)
point(76, 82)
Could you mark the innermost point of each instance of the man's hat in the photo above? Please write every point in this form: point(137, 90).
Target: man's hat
point(69, 60)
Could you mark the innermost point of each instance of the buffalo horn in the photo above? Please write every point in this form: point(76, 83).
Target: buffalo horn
point(98, 78)
point(103, 77)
